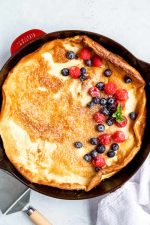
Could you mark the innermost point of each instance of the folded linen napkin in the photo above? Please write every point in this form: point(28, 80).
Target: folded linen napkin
point(129, 205)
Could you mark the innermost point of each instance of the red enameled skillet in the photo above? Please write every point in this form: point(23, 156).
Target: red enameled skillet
point(29, 42)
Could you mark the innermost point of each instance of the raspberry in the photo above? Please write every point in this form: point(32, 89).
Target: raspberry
point(122, 103)
point(110, 88)
point(121, 94)
point(98, 161)
point(96, 61)
point(105, 139)
point(85, 54)
point(74, 72)
point(99, 117)
point(118, 137)
point(94, 92)
point(123, 123)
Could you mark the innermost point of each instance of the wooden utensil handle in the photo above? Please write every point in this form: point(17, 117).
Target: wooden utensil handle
point(38, 219)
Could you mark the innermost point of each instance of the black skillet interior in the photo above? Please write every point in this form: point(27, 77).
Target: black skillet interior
point(121, 177)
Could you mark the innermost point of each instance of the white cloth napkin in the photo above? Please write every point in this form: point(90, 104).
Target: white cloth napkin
point(130, 205)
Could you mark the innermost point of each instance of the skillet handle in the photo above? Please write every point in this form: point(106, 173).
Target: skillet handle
point(24, 38)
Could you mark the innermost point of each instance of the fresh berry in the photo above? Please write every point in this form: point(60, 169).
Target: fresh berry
point(118, 136)
point(105, 139)
point(97, 169)
point(70, 55)
point(105, 111)
point(99, 161)
point(83, 77)
point(100, 86)
point(90, 104)
point(107, 73)
point(112, 108)
point(83, 71)
point(127, 79)
point(65, 72)
point(94, 141)
point(110, 121)
point(88, 62)
point(100, 148)
point(100, 127)
point(110, 101)
point(122, 103)
point(121, 94)
point(93, 153)
point(132, 115)
point(97, 61)
point(74, 72)
point(78, 144)
point(99, 117)
point(87, 157)
point(94, 92)
point(103, 101)
point(110, 88)
point(96, 100)
point(123, 123)
point(111, 153)
point(114, 146)
point(85, 53)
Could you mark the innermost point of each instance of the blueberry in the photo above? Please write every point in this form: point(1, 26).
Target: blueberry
point(88, 62)
point(83, 71)
point(93, 153)
point(132, 115)
point(100, 148)
point(112, 108)
point(96, 100)
point(78, 144)
point(90, 104)
point(127, 79)
point(70, 55)
point(110, 101)
point(110, 153)
point(107, 73)
point(110, 121)
point(97, 169)
point(87, 157)
point(100, 127)
point(103, 101)
point(115, 146)
point(65, 72)
point(94, 141)
point(100, 86)
point(82, 77)
point(105, 111)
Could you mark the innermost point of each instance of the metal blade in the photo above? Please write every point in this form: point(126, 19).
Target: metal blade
point(10, 190)
point(20, 203)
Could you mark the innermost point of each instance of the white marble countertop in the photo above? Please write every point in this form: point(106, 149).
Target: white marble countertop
point(126, 21)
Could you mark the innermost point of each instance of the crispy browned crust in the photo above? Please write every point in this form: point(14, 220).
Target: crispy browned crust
point(138, 128)
point(113, 58)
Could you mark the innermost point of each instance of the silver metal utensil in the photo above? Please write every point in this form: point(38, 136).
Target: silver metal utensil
point(14, 197)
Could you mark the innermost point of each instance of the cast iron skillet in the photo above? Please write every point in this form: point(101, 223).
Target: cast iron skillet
point(121, 177)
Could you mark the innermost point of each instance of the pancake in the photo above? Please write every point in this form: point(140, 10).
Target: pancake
point(45, 113)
